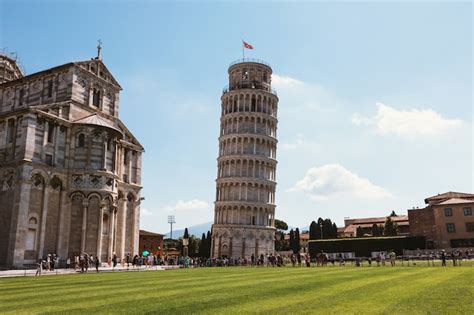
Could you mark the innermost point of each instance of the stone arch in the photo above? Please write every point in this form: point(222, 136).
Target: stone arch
point(76, 195)
point(38, 180)
point(56, 183)
point(131, 196)
point(94, 195)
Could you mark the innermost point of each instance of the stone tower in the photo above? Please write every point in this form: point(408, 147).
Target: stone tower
point(245, 195)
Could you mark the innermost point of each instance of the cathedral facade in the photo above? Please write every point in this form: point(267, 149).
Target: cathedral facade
point(244, 215)
point(70, 170)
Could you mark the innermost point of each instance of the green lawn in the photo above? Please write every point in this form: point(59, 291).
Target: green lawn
point(335, 290)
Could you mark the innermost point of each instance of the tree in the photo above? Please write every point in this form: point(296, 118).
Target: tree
point(186, 234)
point(281, 225)
point(313, 231)
point(202, 246)
point(297, 246)
point(390, 228)
point(359, 232)
point(327, 228)
point(393, 214)
point(334, 230)
point(376, 230)
point(280, 243)
point(208, 244)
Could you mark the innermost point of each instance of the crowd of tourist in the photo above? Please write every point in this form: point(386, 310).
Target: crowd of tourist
point(81, 262)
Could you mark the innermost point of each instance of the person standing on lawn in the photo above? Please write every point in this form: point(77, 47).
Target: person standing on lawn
point(392, 256)
point(39, 267)
point(97, 263)
point(114, 261)
point(443, 258)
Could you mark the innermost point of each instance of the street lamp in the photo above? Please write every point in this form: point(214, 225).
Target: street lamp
point(171, 221)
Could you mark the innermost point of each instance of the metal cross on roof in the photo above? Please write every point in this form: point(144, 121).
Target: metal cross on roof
point(99, 49)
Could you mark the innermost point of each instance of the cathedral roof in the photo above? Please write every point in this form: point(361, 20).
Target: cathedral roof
point(96, 120)
point(93, 66)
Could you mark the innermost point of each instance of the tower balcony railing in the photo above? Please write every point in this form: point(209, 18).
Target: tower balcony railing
point(242, 60)
point(256, 85)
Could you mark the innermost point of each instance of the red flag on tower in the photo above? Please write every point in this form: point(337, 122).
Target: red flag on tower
point(247, 45)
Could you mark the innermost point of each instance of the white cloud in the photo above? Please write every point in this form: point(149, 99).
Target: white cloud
point(407, 123)
point(282, 81)
point(190, 205)
point(300, 144)
point(300, 141)
point(194, 204)
point(332, 181)
point(145, 212)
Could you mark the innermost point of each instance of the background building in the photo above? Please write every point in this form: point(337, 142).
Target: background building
point(447, 221)
point(70, 170)
point(351, 225)
point(245, 195)
point(152, 242)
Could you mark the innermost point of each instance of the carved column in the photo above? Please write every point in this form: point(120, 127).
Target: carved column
point(111, 232)
point(60, 249)
point(44, 216)
point(124, 227)
point(135, 231)
point(99, 232)
point(85, 205)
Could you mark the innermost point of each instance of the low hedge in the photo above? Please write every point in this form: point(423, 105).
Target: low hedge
point(364, 246)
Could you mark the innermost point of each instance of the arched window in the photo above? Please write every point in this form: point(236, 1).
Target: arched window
point(81, 139)
point(21, 97)
point(96, 98)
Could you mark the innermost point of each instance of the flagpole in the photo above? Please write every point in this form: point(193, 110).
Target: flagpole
point(243, 51)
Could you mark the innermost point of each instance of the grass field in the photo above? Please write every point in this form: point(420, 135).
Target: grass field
point(336, 290)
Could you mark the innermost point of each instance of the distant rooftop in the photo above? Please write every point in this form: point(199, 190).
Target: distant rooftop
point(148, 233)
point(454, 201)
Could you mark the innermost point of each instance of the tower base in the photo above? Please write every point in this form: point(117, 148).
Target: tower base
point(237, 241)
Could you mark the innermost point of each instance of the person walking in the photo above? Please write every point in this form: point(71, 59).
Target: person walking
point(114, 261)
point(127, 258)
point(453, 258)
point(68, 263)
point(39, 267)
point(443, 258)
point(97, 263)
point(392, 256)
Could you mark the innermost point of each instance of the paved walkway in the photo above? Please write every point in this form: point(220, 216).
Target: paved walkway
point(32, 272)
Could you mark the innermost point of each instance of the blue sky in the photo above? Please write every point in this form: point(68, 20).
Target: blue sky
point(375, 108)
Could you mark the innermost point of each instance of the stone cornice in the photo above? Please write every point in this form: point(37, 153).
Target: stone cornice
point(229, 116)
point(230, 157)
point(242, 203)
point(247, 135)
point(245, 180)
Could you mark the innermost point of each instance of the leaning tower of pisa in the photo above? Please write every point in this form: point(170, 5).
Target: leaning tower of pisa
point(245, 196)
